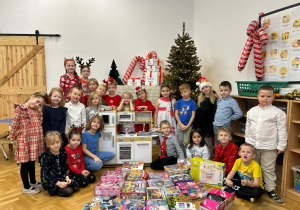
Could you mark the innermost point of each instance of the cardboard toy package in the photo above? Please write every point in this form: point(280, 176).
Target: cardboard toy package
point(137, 175)
point(160, 182)
point(133, 205)
point(108, 187)
point(157, 175)
point(171, 170)
point(133, 190)
point(218, 200)
point(155, 193)
point(208, 171)
point(156, 205)
point(132, 165)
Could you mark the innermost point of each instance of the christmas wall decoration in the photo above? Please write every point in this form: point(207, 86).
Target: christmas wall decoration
point(114, 73)
point(183, 65)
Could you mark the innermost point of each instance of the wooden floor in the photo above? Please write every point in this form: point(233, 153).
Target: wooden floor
point(11, 196)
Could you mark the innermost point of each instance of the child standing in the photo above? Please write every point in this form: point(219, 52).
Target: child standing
point(54, 168)
point(126, 102)
point(93, 159)
point(185, 110)
point(112, 99)
point(85, 72)
point(206, 108)
point(54, 116)
point(245, 177)
point(76, 111)
point(142, 104)
point(91, 87)
point(197, 146)
point(76, 160)
point(165, 108)
point(170, 150)
point(26, 128)
point(226, 152)
point(70, 79)
point(94, 105)
point(227, 110)
point(266, 130)
point(101, 90)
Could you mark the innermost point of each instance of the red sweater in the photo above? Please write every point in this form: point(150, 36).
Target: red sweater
point(227, 155)
point(139, 102)
point(112, 101)
point(75, 159)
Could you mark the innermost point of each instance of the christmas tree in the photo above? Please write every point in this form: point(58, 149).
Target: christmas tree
point(183, 66)
point(114, 73)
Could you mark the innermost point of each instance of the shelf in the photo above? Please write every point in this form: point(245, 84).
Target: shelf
point(238, 134)
point(297, 150)
point(291, 193)
point(252, 97)
point(296, 121)
point(296, 101)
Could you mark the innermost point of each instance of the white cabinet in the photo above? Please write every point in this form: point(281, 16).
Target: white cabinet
point(107, 142)
point(143, 151)
point(125, 152)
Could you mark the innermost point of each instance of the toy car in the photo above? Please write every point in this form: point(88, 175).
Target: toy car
point(217, 200)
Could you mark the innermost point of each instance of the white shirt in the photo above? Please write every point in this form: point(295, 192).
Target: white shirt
point(75, 115)
point(266, 128)
point(196, 151)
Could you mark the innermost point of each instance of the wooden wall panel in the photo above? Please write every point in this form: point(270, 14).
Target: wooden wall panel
point(22, 71)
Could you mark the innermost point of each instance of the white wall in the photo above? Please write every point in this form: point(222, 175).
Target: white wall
point(104, 29)
point(220, 36)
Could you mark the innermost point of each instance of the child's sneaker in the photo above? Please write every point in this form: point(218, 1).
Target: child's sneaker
point(274, 196)
point(36, 185)
point(252, 200)
point(31, 190)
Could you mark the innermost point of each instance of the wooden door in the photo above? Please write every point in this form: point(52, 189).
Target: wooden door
point(22, 71)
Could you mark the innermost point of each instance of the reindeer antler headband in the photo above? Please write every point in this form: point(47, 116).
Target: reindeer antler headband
point(81, 63)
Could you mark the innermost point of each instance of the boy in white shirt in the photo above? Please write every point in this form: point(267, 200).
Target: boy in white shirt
point(266, 131)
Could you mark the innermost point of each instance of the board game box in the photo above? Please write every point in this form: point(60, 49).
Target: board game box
point(155, 193)
point(133, 190)
point(132, 165)
point(171, 170)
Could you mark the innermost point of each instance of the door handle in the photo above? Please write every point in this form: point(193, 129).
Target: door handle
point(113, 141)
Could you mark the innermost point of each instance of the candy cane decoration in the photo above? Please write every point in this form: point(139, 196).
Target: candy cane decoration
point(150, 55)
point(132, 66)
point(257, 37)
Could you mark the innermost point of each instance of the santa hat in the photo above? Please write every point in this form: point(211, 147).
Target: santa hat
point(202, 82)
point(139, 88)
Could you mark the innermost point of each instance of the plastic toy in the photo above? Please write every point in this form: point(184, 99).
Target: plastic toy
point(217, 200)
point(132, 165)
point(181, 178)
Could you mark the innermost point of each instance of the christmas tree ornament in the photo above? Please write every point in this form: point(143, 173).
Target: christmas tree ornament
point(256, 37)
point(114, 73)
point(183, 65)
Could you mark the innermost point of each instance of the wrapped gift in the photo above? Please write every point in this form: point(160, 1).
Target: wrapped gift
point(134, 81)
point(208, 171)
point(153, 62)
point(154, 78)
point(154, 68)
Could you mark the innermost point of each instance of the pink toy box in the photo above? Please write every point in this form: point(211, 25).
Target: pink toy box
point(114, 175)
point(133, 190)
point(108, 187)
point(218, 200)
point(137, 175)
point(157, 175)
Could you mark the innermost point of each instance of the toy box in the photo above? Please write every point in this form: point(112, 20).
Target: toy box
point(133, 190)
point(114, 175)
point(187, 185)
point(185, 206)
point(193, 190)
point(157, 175)
point(208, 171)
point(181, 178)
point(108, 187)
point(160, 182)
point(171, 190)
point(133, 205)
point(155, 193)
point(132, 165)
point(171, 200)
point(171, 170)
point(218, 200)
point(137, 175)
point(156, 205)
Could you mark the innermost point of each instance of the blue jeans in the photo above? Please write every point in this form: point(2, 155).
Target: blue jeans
point(216, 128)
point(104, 156)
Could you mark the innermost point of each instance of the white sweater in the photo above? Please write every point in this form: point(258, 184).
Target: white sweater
point(75, 115)
point(196, 151)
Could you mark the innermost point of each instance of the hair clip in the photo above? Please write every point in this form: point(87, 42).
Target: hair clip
point(111, 80)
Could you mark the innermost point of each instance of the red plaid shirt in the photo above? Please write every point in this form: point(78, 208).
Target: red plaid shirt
point(227, 155)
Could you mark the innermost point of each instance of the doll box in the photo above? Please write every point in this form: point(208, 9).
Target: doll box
point(133, 205)
point(171, 170)
point(108, 188)
point(208, 171)
point(218, 199)
point(155, 193)
point(187, 185)
point(181, 178)
point(156, 205)
point(133, 190)
point(157, 175)
point(114, 175)
point(171, 190)
point(132, 165)
point(160, 182)
point(137, 175)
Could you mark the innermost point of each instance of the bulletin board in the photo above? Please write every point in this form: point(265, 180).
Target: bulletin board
point(281, 55)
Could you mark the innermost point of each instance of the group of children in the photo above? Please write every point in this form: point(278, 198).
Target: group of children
point(187, 130)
